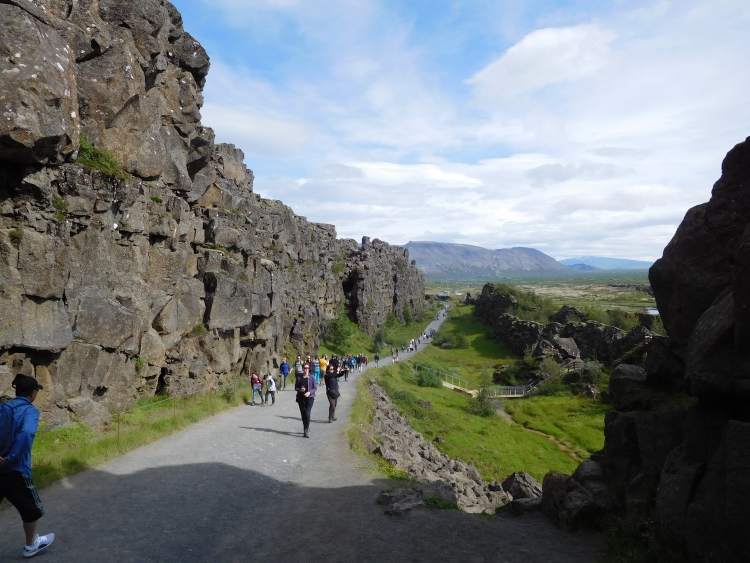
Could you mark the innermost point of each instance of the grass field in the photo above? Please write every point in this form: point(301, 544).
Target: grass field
point(470, 362)
point(574, 420)
point(62, 452)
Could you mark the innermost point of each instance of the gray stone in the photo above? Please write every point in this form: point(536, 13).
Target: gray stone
point(86, 410)
point(522, 485)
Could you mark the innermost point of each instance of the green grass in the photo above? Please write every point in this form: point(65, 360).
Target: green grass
point(470, 362)
point(100, 159)
point(574, 420)
point(61, 452)
point(496, 447)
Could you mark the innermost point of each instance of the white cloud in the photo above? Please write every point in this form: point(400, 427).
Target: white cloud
point(545, 57)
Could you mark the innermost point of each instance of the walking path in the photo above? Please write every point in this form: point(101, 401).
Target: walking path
point(245, 486)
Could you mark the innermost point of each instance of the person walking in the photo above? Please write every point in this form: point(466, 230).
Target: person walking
point(270, 389)
point(377, 359)
point(323, 363)
point(257, 384)
point(19, 420)
point(332, 391)
point(298, 366)
point(305, 387)
point(316, 369)
point(284, 370)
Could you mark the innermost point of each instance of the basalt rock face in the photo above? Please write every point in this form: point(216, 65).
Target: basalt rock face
point(568, 337)
point(677, 447)
point(176, 277)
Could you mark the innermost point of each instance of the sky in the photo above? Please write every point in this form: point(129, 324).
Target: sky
point(578, 127)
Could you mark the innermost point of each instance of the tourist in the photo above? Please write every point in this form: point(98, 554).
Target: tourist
point(377, 360)
point(323, 363)
point(284, 370)
point(316, 369)
point(335, 362)
point(298, 366)
point(18, 424)
point(305, 387)
point(345, 369)
point(270, 389)
point(257, 384)
point(332, 391)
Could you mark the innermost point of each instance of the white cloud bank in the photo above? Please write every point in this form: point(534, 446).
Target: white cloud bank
point(588, 139)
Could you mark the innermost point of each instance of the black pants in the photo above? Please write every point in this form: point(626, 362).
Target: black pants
point(332, 407)
point(305, 408)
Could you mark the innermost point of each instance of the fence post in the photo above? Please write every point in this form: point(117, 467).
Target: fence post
point(174, 408)
point(118, 432)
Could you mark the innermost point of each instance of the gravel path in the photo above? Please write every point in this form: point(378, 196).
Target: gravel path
point(245, 486)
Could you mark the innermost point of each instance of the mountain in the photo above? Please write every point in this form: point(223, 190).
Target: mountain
point(584, 268)
point(439, 260)
point(608, 263)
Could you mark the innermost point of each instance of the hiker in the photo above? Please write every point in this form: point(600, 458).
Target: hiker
point(344, 368)
point(305, 387)
point(298, 366)
point(257, 384)
point(316, 369)
point(270, 389)
point(18, 423)
point(284, 370)
point(377, 359)
point(332, 391)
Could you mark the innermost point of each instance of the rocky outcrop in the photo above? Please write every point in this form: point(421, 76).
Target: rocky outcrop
point(397, 442)
point(168, 275)
point(568, 337)
point(678, 444)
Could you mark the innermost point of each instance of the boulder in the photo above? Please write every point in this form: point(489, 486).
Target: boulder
point(626, 384)
point(567, 314)
point(522, 485)
point(86, 410)
point(569, 504)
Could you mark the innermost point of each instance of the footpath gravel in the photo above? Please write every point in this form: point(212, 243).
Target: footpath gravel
point(245, 486)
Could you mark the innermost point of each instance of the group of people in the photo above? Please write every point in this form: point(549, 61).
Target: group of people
point(308, 376)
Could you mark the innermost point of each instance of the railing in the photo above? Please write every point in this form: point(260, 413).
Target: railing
point(494, 391)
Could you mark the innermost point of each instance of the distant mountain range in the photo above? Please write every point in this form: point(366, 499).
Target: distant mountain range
point(439, 260)
point(583, 267)
point(607, 263)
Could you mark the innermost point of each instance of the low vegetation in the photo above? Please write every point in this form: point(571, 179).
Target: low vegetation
point(100, 159)
point(494, 445)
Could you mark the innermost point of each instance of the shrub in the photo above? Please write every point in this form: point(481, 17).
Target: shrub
point(429, 379)
point(156, 199)
point(407, 315)
point(228, 392)
point(140, 363)
point(482, 404)
point(61, 206)
point(100, 159)
point(553, 383)
point(199, 330)
point(16, 235)
point(528, 357)
point(339, 330)
point(338, 267)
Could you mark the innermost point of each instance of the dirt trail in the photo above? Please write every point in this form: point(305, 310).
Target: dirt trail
point(564, 446)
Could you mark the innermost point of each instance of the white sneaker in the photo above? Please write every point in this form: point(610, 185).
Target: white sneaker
point(40, 544)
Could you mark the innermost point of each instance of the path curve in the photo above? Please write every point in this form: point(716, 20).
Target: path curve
point(245, 486)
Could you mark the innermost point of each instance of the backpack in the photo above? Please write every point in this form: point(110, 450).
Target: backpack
point(7, 435)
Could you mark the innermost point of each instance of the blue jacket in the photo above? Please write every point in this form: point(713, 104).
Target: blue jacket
point(285, 368)
point(17, 452)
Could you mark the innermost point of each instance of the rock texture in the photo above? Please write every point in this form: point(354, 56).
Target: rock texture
point(569, 337)
point(677, 447)
point(451, 480)
point(177, 276)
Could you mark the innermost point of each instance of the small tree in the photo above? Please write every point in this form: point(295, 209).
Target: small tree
point(482, 404)
point(339, 329)
point(407, 315)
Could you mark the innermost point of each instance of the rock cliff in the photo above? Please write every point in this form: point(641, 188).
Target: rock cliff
point(677, 447)
point(171, 273)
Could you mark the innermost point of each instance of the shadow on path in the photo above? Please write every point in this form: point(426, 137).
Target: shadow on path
point(147, 516)
point(297, 434)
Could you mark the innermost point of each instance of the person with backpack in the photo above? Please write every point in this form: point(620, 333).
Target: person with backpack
point(270, 389)
point(18, 423)
point(298, 365)
point(377, 359)
point(257, 384)
point(284, 370)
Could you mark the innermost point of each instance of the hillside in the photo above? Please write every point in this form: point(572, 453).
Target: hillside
point(603, 263)
point(439, 260)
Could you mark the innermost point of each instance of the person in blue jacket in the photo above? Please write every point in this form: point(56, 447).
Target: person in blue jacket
point(18, 423)
point(284, 370)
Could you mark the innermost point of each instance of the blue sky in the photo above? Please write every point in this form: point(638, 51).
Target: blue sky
point(575, 127)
